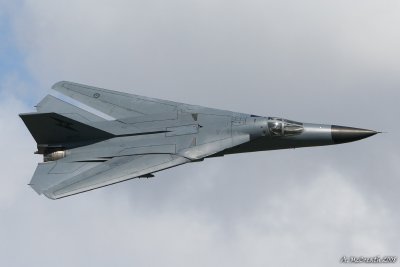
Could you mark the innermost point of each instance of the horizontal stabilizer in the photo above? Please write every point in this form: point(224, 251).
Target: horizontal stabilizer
point(53, 104)
point(49, 174)
point(55, 129)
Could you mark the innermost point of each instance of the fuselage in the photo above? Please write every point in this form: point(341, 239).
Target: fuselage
point(179, 132)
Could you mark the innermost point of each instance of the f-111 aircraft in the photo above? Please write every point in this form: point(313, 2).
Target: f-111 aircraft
point(83, 151)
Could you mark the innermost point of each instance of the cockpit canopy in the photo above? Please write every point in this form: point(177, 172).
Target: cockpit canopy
point(283, 127)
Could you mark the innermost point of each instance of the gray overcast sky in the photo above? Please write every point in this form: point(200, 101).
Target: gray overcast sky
point(315, 61)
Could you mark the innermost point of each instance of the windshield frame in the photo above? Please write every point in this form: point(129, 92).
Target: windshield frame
point(283, 127)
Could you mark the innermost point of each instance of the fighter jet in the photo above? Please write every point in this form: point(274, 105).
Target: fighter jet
point(83, 151)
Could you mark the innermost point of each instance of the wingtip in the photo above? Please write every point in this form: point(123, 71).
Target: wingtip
point(61, 84)
point(58, 85)
point(50, 196)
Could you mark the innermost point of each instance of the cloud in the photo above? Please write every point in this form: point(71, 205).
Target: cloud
point(14, 140)
point(315, 223)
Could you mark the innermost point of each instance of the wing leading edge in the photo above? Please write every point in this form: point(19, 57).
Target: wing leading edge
point(115, 104)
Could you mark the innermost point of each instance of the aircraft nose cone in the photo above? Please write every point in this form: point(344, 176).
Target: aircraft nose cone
point(342, 134)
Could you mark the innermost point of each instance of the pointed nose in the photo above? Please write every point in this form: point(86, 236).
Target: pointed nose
point(342, 134)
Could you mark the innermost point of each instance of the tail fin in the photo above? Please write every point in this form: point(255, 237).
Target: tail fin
point(55, 129)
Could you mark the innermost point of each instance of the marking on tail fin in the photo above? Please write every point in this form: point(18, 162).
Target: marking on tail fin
point(63, 124)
